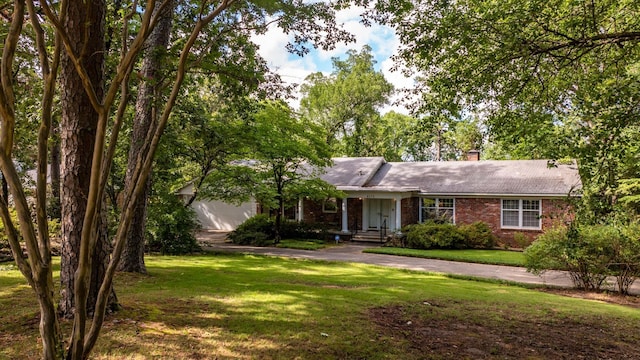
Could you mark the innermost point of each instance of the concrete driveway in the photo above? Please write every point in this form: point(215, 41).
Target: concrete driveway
point(352, 252)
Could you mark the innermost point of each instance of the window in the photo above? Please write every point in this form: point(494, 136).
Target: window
point(330, 205)
point(437, 209)
point(521, 214)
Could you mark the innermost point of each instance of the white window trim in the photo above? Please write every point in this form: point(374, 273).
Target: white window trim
point(520, 212)
point(437, 201)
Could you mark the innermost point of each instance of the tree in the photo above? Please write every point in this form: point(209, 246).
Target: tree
point(347, 102)
point(77, 151)
point(391, 142)
point(147, 105)
point(464, 137)
point(287, 157)
point(309, 23)
point(554, 78)
point(211, 130)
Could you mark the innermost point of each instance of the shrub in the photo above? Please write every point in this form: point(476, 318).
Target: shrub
point(171, 226)
point(302, 230)
point(627, 254)
point(259, 230)
point(431, 235)
point(256, 230)
point(478, 235)
point(589, 252)
point(438, 235)
point(5, 249)
point(521, 240)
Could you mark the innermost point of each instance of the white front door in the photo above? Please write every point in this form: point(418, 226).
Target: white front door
point(381, 214)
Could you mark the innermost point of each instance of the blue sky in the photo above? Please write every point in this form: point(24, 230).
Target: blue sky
point(294, 69)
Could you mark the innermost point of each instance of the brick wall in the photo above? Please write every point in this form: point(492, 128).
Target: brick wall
point(313, 214)
point(410, 211)
point(467, 212)
point(488, 211)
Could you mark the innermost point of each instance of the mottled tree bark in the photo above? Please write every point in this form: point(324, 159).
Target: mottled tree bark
point(54, 210)
point(85, 28)
point(132, 259)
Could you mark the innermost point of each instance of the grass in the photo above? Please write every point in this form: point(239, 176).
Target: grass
point(299, 244)
point(246, 307)
point(493, 257)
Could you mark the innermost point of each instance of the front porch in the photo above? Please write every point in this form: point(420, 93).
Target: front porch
point(375, 212)
point(365, 213)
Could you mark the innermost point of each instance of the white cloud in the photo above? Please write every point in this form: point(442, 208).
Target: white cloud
point(294, 69)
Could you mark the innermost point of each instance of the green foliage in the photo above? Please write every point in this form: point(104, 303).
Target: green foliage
point(552, 79)
point(256, 230)
point(629, 193)
point(171, 226)
point(521, 240)
point(431, 235)
point(53, 227)
point(626, 250)
point(302, 230)
point(444, 235)
point(346, 105)
point(478, 235)
point(287, 156)
point(259, 230)
point(590, 253)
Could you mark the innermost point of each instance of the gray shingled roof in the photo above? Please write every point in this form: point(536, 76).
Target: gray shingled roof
point(498, 177)
point(352, 171)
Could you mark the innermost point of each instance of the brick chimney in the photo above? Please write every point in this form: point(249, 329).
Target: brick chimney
point(473, 155)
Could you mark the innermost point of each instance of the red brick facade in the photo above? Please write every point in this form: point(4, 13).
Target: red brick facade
point(410, 211)
point(313, 213)
point(467, 211)
point(488, 210)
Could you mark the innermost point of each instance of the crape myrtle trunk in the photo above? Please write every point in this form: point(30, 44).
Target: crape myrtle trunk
point(85, 27)
point(132, 259)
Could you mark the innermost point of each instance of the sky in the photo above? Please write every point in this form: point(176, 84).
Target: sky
point(293, 68)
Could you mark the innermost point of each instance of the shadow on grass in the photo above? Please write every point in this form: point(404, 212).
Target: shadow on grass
point(247, 306)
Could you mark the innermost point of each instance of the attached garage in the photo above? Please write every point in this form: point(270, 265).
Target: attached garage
point(218, 215)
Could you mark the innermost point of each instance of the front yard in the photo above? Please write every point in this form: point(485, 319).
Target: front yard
point(247, 307)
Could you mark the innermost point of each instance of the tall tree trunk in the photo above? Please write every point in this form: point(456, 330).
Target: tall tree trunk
point(54, 209)
point(78, 128)
point(132, 259)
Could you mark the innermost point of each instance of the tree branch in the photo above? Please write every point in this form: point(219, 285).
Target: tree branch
point(588, 42)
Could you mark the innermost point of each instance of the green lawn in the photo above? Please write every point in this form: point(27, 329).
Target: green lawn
point(247, 307)
point(494, 257)
point(302, 244)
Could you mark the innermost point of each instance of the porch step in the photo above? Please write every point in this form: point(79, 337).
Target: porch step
point(366, 236)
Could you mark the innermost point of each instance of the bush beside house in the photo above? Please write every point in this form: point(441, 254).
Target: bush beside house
point(259, 230)
point(434, 235)
point(590, 253)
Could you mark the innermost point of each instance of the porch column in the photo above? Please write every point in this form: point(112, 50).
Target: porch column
point(300, 209)
point(365, 214)
point(345, 221)
point(398, 214)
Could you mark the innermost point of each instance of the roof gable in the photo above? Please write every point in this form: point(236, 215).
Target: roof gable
point(352, 171)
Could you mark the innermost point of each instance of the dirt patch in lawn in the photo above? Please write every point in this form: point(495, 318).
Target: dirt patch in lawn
point(429, 333)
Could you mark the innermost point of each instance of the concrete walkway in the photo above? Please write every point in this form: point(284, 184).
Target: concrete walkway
point(352, 252)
